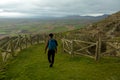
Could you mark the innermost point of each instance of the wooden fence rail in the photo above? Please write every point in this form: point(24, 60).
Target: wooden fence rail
point(9, 45)
point(91, 49)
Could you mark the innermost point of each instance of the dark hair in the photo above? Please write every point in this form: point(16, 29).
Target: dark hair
point(51, 35)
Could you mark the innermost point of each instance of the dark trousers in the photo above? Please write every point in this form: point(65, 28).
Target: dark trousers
point(51, 55)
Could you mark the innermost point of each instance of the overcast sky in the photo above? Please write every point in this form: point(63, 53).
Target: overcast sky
point(31, 8)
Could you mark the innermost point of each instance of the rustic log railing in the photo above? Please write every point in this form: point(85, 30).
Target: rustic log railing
point(92, 49)
point(9, 45)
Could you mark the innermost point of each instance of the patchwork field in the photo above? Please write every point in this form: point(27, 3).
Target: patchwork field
point(28, 26)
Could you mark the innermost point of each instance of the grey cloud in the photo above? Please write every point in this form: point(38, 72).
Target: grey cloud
point(62, 7)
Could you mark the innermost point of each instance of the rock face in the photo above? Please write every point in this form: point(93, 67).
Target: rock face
point(110, 25)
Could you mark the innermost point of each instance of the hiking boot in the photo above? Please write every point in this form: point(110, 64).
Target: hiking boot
point(51, 65)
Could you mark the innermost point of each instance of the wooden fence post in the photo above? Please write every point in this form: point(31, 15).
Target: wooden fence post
point(26, 41)
point(12, 47)
point(31, 40)
point(72, 48)
point(38, 39)
point(96, 53)
point(100, 43)
point(98, 47)
point(20, 42)
point(63, 46)
point(1, 58)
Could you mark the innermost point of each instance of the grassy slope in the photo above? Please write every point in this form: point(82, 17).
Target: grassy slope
point(32, 64)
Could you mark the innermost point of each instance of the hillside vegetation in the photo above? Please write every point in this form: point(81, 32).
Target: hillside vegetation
point(110, 26)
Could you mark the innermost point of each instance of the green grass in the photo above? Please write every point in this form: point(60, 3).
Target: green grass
point(32, 64)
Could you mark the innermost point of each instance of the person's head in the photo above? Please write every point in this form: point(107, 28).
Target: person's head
point(51, 35)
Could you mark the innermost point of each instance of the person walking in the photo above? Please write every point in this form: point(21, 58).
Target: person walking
point(51, 47)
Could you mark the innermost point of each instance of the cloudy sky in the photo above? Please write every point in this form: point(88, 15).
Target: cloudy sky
point(32, 8)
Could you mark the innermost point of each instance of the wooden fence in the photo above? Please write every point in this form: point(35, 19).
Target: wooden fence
point(92, 49)
point(10, 45)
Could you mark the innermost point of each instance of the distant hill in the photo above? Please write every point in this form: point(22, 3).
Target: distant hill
point(86, 17)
